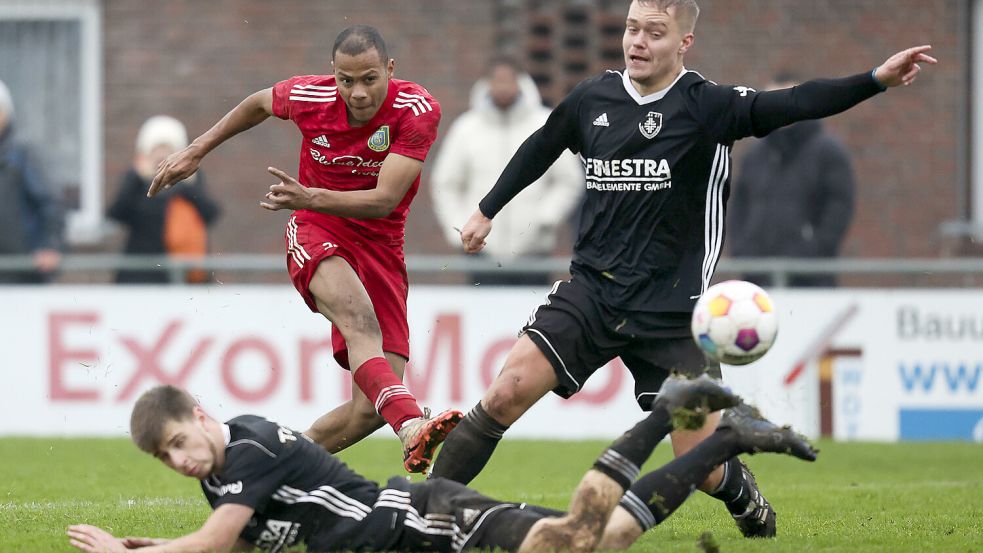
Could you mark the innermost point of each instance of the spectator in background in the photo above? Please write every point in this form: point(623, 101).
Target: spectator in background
point(31, 216)
point(505, 109)
point(174, 221)
point(793, 197)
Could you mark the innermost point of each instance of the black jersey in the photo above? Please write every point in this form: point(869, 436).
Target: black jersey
point(658, 175)
point(303, 494)
point(300, 493)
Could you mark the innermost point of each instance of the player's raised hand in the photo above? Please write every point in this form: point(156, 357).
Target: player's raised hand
point(475, 231)
point(903, 67)
point(93, 539)
point(175, 168)
point(287, 194)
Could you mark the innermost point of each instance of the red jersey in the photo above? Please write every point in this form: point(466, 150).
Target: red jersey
point(337, 156)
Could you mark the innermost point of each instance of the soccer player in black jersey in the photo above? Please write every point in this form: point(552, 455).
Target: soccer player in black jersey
point(655, 142)
point(272, 487)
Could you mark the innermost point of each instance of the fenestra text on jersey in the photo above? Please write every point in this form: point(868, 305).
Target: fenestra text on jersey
point(627, 175)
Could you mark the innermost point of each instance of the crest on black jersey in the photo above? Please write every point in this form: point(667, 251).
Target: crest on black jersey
point(651, 125)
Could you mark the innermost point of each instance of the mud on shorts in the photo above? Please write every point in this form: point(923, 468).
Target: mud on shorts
point(481, 523)
point(579, 334)
point(310, 238)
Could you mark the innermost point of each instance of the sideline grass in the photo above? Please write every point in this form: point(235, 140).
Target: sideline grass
point(857, 497)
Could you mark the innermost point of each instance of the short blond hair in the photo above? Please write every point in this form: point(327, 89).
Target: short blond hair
point(687, 11)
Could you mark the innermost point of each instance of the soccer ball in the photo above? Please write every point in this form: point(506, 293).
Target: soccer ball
point(735, 322)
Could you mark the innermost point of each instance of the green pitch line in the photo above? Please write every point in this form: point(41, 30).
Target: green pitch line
point(857, 497)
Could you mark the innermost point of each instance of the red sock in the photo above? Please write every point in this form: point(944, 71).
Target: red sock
point(386, 391)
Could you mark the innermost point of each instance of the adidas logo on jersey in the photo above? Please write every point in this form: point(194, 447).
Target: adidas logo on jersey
point(322, 141)
point(602, 120)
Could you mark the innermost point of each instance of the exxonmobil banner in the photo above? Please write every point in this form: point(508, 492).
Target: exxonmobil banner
point(903, 364)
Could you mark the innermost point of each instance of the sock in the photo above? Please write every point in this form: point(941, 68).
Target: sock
point(732, 490)
point(622, 461)
point(386, 391)
point(653, 497)
point(468, 447)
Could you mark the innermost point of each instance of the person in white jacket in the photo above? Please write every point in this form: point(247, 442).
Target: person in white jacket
point(505, 109)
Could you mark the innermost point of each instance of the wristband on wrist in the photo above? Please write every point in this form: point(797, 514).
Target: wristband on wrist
point(873, 75)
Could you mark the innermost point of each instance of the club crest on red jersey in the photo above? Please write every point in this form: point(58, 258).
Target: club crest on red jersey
point(379, 141)
point(652, 124)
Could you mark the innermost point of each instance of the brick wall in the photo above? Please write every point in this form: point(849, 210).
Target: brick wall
point(905, 143)
point(196, 60)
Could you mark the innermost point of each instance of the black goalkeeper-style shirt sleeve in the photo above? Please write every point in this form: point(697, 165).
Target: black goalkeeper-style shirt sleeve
point(730, 113)
point(537, 153)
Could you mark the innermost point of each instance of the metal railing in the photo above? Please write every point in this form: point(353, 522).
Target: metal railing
point(780, 270)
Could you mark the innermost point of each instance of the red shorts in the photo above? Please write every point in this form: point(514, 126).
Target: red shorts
point(311, 237)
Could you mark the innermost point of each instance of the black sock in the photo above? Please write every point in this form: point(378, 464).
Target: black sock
point(468, 447)
point(623, 459)
point(733, 489)
point(653, 497)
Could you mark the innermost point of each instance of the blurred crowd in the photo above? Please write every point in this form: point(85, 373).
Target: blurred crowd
point(31, 222)
point(172, 223)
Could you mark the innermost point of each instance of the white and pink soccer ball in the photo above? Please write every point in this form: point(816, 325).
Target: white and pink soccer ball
point(735, 322)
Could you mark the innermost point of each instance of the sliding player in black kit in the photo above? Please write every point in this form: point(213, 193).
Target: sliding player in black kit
point(272, 487)
point(655, 143)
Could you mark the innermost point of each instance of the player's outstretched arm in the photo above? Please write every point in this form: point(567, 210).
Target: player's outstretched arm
point(816, 98)
point(902, 68)
point(219, 533)
point(181, 165)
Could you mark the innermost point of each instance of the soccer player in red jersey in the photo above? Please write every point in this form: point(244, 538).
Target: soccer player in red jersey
point(365, 137)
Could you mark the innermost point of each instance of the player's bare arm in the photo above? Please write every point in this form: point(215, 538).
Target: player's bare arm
point(255, 109)
point(902, 68)
point(395, 177)
point(219, 533)
point(133, 542)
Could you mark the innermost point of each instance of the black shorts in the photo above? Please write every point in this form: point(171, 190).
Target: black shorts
point(472, 521)
point(579, 334)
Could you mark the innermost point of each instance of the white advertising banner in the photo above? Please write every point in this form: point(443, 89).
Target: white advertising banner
point(77, 358)
point(906, 364)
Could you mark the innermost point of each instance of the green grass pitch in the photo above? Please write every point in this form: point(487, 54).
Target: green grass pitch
point(857, 497)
